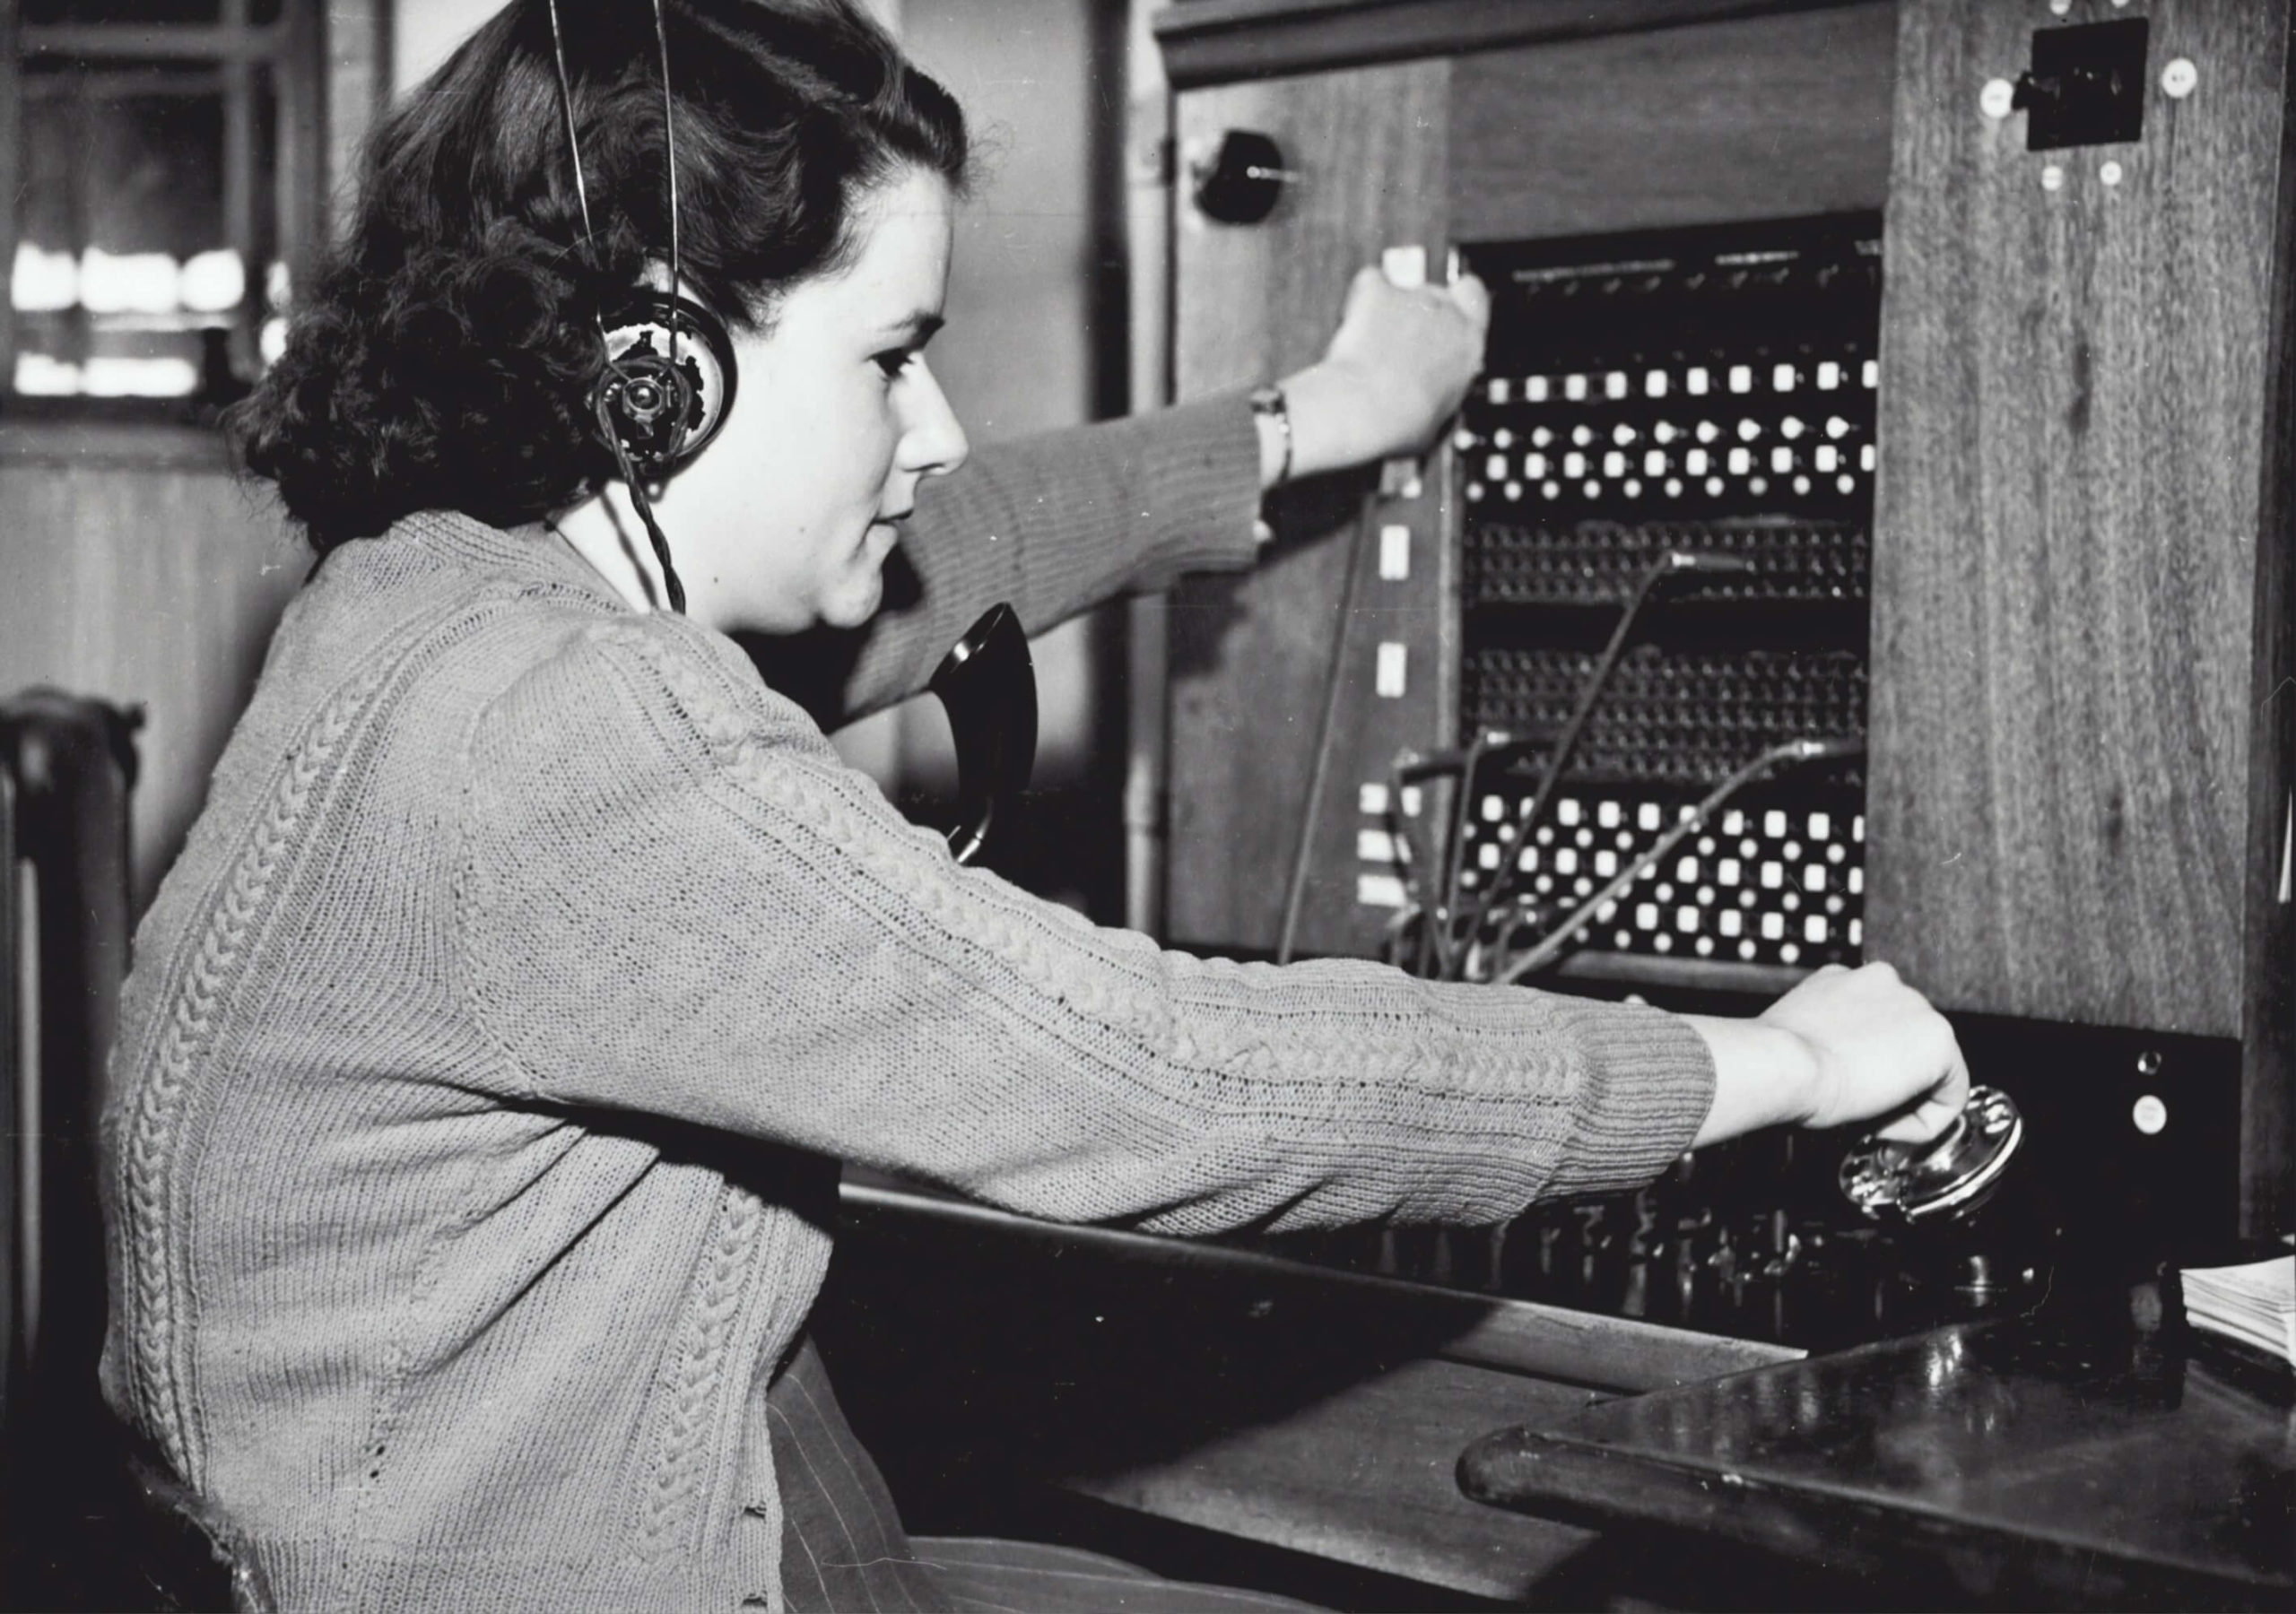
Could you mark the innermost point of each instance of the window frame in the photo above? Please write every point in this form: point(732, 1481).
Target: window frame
point(294, 49)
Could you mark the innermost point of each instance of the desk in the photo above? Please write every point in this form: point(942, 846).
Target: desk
point(2090, 1453)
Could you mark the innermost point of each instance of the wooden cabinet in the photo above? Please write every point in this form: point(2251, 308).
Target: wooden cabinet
point(2077, 773)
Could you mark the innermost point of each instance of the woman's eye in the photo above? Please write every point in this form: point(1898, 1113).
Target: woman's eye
point(893, 362)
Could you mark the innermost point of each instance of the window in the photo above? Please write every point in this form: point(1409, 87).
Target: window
point(165, 158)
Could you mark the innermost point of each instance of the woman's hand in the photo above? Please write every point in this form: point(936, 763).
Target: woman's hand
point(1395, 373)
point(1845, 1045)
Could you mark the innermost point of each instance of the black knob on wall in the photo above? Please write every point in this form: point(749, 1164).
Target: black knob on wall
point(1244, 180)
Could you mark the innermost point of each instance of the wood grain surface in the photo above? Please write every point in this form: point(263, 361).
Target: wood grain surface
point(1249, 654)
point(2066, 543)
point(1764, 118)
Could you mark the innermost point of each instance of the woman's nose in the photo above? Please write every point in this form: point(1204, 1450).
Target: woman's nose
point(931, 441)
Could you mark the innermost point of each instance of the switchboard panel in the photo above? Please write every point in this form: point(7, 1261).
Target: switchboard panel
point(1666, 493)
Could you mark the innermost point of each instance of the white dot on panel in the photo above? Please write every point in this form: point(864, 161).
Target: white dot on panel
point(1694, 462)
point(1835, 427)
point(1814, 930)
point(1773, 926)
point(1749, 430)
point(1486, 855)
point(1870, 373)
point(1567, 812)
point(1582, 434)
point(1708, 431)
point(1749, 847)
point(1585, 838)
point(1857, 828)
point(1592, 490)
point(1790, 428)
point(1535, 388)
point(1697, 381)
point(1673, 486)
point(1654, 384)
point(1376, 845)
point(1654, 464)
point(1607, 814)
point(1475, 492)
point(1791, 901)
point(1865, 456)
point(1847, 484)
point(1649, 816)
point(1829, 376)
point(1801, 484)
point(1834, 854)
point(1500, 390)
point(1625, 839)
point(1730, 922)
point(1495, 468)
point(1581, 886)
point(1813, 877)
point(1686, 919)
point(1574, 387)
point(1742, 378)
point(1545, 835)
point(1706, 845)
point(1781, 460)
point(1665, 893)
point(1791, 953)
point(1388, 671)
point(1704, 946)
point(1622, 940)
point(1706, 896)
point(1714, 485)
point(1550, 489)
point(1685, 813)
point(1607, 912)
point(1857, 933)
point(1745, 950)
point(1631, 487)
point(1686, 870)
point(1756, 485)
point(1646, 916)
point(1541, 437)
point(1410, 800)
point(1791, 851)
point(1574, 465)
point(1615, 385)
point(1733, 822)
point(1502, 439)
point(1546, 885)
point(1535, 465)
point(1613, 464)
point(1528, 862)
point(1773, 824)
point(1782, 377)
point(1463, 440)
point(1664, 431)
point(1622, 434)
point(1605, 864)
point(1773, 875)
point(1726, 870)
point(1825, 458)
point(1380, 890)
point(1858, 882)
point(1513, 490)
point(1741, 461)
point(1372, 798)
point(1493, 810)
point(1834, 905)
point(1662, 943)
point(1469, 879)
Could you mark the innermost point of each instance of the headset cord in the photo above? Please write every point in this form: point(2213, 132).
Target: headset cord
point(674, 590)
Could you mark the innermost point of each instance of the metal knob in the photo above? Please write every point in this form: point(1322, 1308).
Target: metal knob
point(1244, 180)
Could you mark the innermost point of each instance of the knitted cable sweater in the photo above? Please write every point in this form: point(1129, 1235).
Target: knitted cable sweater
point(489, 1051)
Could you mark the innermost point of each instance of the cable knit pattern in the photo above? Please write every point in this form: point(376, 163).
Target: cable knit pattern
point(488, 1047)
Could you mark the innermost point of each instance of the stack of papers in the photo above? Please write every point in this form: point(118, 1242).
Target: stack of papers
point(2254, 1303)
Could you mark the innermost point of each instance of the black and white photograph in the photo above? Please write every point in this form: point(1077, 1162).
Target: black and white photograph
point(1147, 806)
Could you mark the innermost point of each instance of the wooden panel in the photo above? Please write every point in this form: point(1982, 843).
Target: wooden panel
point(1770, 116)
point(1250, 653)
point(2067, 530)
point(1286, 1405)
point(152, 584)
point(1217, 42)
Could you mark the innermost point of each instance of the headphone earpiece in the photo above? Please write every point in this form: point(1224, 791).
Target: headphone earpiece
point(667, 385)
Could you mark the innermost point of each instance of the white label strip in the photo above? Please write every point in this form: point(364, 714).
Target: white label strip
point(1394, 552)
point(1378, 890)
point(1387, 676)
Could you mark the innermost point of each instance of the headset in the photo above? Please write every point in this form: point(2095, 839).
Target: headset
point(669, 376)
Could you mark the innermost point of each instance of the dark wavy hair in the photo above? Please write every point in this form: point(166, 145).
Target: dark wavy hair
point(444, 355)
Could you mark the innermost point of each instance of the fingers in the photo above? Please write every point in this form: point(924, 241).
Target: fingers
point(1473, 299)
point(1940, 1104)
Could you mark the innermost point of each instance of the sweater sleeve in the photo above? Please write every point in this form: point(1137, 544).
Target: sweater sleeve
point(675, 899)
point(1055, 525)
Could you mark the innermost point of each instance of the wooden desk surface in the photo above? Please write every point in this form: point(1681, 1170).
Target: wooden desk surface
point(2092, 1454)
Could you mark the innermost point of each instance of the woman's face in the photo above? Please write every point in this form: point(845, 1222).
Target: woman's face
point(787, 519)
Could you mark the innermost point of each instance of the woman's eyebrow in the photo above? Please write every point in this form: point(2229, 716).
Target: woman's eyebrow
point(917, 328)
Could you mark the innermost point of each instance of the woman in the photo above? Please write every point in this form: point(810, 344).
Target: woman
point(492, 1048)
